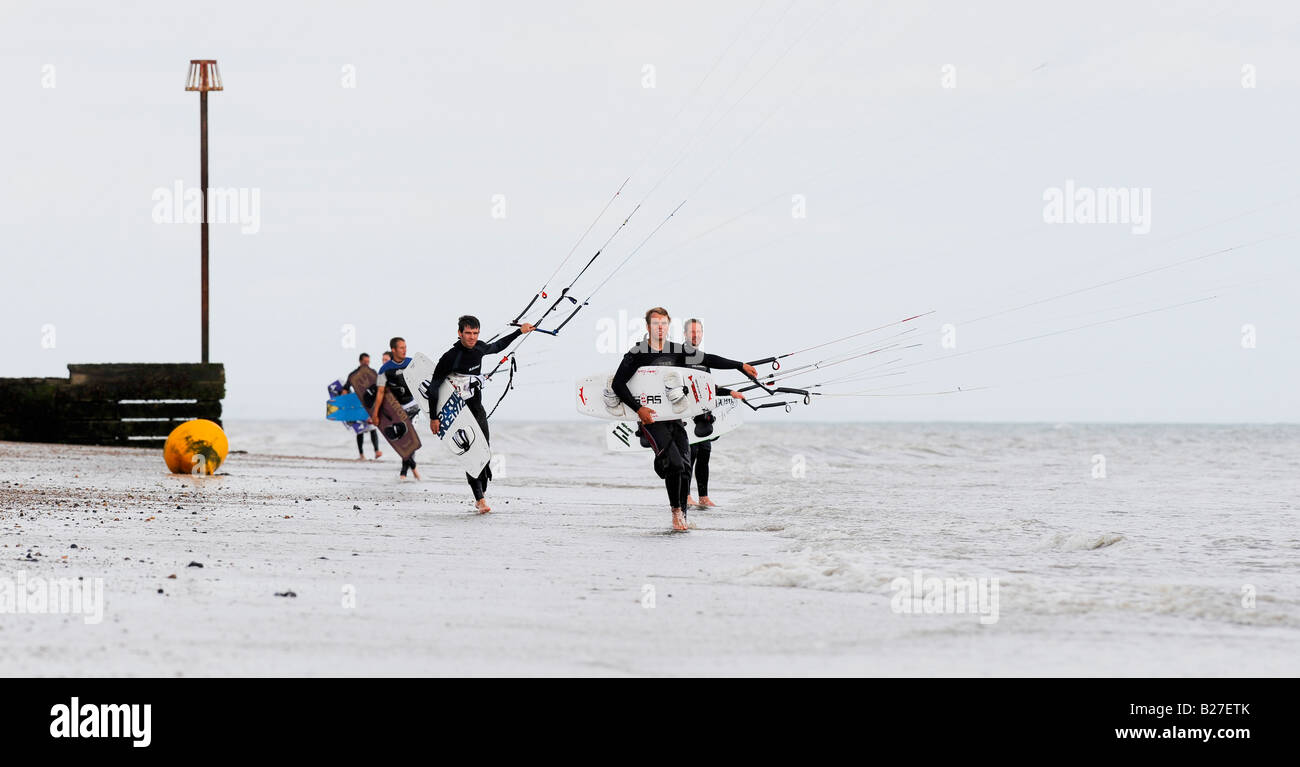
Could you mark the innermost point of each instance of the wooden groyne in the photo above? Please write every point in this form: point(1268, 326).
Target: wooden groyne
point(134, 405)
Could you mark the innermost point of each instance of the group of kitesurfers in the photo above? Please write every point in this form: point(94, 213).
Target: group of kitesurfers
point(676, 461)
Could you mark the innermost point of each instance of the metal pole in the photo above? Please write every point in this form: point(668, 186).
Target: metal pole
point(203, 193)
point(203, 77)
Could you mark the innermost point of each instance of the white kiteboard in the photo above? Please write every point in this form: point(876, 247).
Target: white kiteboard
point(622, 437)
point(672, 393)
point(458, 429)
point(417, 374)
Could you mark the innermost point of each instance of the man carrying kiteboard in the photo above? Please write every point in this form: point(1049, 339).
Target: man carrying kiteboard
point(667, 439)
point(465, 358)
point(364, 361)
point(701, 451)
point(391, 377)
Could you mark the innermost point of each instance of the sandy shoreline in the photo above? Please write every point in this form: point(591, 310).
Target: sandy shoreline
point(438, 590)
point(550, 583)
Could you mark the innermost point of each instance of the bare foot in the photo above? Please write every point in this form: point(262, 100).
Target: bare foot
point(482, 506)
point(690, 501)
point(679, 519)
point(416, 473)
point(361, 458)
point(705, 503)
point(378, 453)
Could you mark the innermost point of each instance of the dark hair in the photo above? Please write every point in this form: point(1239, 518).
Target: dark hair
point(693, 320)
point(387, 354)
point(466, 321)
point(656, 310)
point(362, 356)
point(392, 342)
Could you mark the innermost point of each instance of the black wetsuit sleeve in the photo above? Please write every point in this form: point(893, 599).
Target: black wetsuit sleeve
point(500, 343)
point(714, 362)
point(626, 369)
point(440, 373)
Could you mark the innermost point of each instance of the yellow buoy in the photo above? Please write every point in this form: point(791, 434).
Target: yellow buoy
point(195, 447)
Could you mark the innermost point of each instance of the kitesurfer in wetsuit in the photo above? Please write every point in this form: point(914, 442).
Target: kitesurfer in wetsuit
point(391, 377)
point(667, 438)
point(465, 358)
point(701, 451)
point(364, 361)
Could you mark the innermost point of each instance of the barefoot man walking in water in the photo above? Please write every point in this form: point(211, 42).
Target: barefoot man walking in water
point(668, 439)
point(701, 451)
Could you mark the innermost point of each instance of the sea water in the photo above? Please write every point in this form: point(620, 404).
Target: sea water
point(1178, 541)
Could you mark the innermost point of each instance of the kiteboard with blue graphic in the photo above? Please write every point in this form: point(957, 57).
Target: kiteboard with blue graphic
point(341, 407)
point(458, 428)
point(346, 407)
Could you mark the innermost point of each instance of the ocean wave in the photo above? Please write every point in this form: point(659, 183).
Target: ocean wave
point(1080, 541)
point(1025, 596)
point(811, 570)
point(1107, 596)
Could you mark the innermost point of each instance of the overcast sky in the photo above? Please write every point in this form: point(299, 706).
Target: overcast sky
point(843, 165)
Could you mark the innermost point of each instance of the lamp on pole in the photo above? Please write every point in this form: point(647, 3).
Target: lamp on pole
point(204, 77)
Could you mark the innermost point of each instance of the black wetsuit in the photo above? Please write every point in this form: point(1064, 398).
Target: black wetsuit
point(394, 380)
point(668, 439)
point(462, 361)
point(701, 451)
point(361, 442)
point(361, 436)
